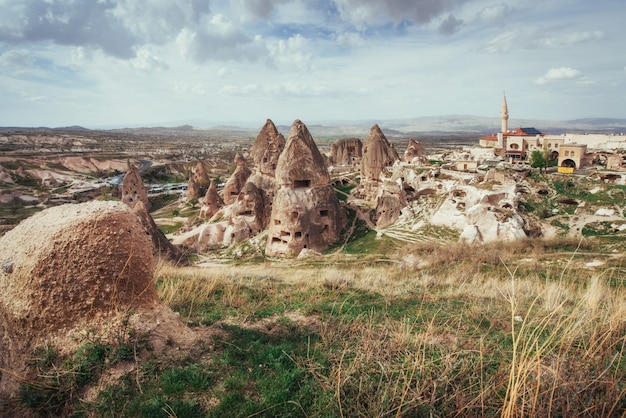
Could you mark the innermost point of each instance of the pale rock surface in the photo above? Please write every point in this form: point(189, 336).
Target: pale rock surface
point(481, 215)
point(389, 203)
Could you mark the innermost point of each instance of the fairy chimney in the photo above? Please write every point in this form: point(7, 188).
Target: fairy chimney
point(200, 176)
point(389, 203)
point(237, 180)
point(346, 151)
point(193, 190)
point(212, 201)
point(267, 147)
point(378, 154)
point(306, 212)
point(413, 150)
point(133, 190)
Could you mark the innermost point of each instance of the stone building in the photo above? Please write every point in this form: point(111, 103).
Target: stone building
point(306, 213)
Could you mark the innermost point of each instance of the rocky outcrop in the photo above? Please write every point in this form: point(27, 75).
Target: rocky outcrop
point(193, 190)
point(389, 203)
point(267, 148)
point(237, 180)
point(5, 176)
point(378, 155)
point(305, 212)
point(134, 195)
point(346, 151)
point(481, 215)
point(414, 152)
point(133, 189)
point(200, 176)
point(212, 202)
point(65, 268)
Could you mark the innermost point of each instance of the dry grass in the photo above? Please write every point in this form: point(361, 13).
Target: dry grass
point(466, 336)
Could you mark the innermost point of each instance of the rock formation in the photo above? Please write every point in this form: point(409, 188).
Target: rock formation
point(193, 190)
point(389, 203)
point(414, 152)
point(346, 151)
point(306, 212)
point(378, 155)
point(65, 267)
point(134, 194)
point(212, 202)
point(266, 149)
point(133, 189)
point(200, 176)
point(237, 180)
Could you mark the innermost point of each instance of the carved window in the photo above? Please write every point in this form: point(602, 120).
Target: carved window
point(298, 234)
point(301, 184)
point(324, 213)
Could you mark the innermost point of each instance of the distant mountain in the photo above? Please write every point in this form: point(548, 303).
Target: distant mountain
point(416, 127)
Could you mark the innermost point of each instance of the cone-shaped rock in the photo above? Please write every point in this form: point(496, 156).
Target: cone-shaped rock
point(201, 177)
point(414, 149)
point(267, 147)
point(193, 190)
point(378, 154)
point(212, 201)
point(133, 190)
point(305, 212)
point(237, 180)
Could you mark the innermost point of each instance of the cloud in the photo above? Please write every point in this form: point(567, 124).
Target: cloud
point(495, 13)
point(80, 22)
point(561, 74)
point(364, 13)
point(450, 26)
point(253, 10)
point(536, 38)
point(218, 40)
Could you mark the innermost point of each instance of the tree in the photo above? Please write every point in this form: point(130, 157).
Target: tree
point(538, 160)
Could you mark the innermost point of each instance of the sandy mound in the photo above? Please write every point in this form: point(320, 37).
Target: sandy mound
point(66, 267)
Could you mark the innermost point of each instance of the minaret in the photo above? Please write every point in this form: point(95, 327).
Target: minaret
point(504, 115)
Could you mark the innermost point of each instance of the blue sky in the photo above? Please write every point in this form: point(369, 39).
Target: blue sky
point(100, 63)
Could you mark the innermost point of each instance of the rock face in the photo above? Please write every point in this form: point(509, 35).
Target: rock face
point(481, 215)
point(305, 212)
point(267, 148)
point(237, 180)
point(65, 267)
point(133, 189)
point(212, 202)
point(346, 151)
point(378, 154)
point(414, 152)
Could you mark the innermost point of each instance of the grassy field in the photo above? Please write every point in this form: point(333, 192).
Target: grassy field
point(532, 328)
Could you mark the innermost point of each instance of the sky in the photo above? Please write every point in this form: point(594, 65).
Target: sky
point(105, 63)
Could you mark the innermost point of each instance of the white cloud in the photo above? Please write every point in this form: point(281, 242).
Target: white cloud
point(560, 74)
point(494, 13)
point(533, 37)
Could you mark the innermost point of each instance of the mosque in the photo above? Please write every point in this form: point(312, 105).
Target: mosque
point(570, 150)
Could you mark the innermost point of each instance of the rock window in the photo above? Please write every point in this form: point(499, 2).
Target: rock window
point(324, 213)
point(294, 215)
point(276, 221)
point(234, 193)
point(285, 234)
point(276, 240)
point(298, 234)
point(245, 213)
point(301, 184)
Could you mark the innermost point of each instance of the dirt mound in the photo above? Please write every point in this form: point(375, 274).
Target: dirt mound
point(66, 267)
